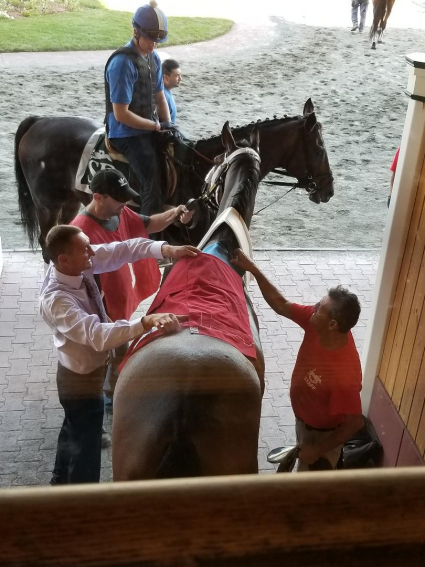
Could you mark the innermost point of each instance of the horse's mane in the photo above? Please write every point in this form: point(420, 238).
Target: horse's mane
point(242, 131)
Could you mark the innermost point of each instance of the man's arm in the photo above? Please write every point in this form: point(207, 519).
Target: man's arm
point(309, 454)
point(162, 107)
point(123, 114)
point(270, 293)
point(160, 221)
point(110, 257)
point(65, 315)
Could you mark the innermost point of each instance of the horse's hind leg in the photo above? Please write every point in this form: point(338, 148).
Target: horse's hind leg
point(138, 440)
point(228, 444)
point(233, 453)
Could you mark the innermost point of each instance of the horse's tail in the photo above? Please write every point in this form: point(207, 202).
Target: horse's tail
point(180, 460)
point(26, 204)
point(381, 13)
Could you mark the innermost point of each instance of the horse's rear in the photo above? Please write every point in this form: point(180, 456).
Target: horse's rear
point(186, 405)
point(47, 154)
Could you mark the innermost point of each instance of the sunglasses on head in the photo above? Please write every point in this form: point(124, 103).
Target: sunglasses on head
point(154, 35)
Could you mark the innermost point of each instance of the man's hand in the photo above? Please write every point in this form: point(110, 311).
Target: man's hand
point(183, 214)
point(177, 252)
point(166, 125)
point(164, 322)
point(241, 260)
point(309, 454)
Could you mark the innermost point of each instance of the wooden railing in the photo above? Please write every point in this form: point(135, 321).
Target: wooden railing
point(359, 518)
point(402, 369)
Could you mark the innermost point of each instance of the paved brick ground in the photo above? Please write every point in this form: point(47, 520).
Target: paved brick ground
point(30, 413)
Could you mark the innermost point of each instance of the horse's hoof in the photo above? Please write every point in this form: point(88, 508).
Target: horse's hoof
point(373, 46)
point(380, 41)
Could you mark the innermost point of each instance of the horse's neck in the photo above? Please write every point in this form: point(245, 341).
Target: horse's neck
point(278, 141)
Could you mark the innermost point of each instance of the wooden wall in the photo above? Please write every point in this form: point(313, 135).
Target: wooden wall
point(372, 518)
point(402, 369)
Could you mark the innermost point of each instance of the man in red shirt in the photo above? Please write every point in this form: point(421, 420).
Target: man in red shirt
point(393, 169)
point(327, 379)
point(106, 219)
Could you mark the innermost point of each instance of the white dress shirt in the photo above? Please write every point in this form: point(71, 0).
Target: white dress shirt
point(82, 341)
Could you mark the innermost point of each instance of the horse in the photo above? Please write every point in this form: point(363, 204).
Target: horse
point(381, 13)
point(189, 404)
point(48, 152)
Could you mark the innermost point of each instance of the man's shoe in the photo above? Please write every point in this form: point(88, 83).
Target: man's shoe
point(354, 28)
point(106, 439)
point(361, 30)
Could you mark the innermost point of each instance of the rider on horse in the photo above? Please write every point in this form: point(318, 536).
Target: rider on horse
point(136, 106)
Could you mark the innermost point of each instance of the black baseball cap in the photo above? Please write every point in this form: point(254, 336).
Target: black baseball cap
point(113, 183)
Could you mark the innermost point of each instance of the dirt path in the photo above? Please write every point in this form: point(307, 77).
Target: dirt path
point(254, 73)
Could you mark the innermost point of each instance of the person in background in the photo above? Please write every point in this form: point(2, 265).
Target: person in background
point(172, 78)
point(356, 7)
point(393, 170)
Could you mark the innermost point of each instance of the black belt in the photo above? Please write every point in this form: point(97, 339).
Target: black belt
point(310, 428)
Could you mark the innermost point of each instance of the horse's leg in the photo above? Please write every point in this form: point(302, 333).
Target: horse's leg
point(139, 442)
point(229, 445)
point(47, 220)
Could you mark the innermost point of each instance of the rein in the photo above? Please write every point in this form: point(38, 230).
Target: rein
point(208, 160)
point(215, 178)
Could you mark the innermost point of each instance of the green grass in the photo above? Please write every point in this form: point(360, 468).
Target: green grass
point(93, 27)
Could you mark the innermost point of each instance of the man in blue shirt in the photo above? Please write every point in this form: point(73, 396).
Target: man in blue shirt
point(136, 106)
point(172, 79)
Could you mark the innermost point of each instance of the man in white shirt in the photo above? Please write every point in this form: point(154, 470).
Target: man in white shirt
point(71, 305)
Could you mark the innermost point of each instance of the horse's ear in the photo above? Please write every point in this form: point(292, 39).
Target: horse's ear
point(308, 107)
point(310, 122)
point(227, 139)
point(255, 138)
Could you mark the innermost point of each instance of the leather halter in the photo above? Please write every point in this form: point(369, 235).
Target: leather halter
point(214, 179)
point(309, 182)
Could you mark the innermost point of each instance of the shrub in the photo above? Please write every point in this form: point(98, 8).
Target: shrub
point(18, 8)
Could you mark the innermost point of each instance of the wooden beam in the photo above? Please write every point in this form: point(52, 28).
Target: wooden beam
point(369, 518)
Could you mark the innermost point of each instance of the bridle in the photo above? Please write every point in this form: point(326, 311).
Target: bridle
point(310, 181)
point(215, 178)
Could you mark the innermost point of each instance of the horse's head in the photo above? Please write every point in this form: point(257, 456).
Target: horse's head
point(308, 161)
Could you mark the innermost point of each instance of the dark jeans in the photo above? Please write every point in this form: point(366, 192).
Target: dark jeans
point(78, 455)
point(141, 154)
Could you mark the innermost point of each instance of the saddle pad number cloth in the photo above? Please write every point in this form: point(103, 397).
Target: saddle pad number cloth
point(211, 293)
point(96, 158)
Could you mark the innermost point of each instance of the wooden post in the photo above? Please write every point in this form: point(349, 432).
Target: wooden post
point(412, 151)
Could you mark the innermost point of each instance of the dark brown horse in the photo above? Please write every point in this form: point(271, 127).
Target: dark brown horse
point(381, 13)
point(189, 404)
point(48, 152)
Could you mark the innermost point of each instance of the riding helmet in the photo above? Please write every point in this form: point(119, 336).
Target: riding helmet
point(151, 22)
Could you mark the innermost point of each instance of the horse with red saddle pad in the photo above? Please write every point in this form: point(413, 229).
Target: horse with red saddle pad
point(189, 404)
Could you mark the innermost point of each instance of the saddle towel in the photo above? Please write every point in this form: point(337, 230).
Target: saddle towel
point(233, 219)
point(211, 293)
point(96, 157)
